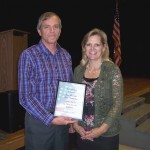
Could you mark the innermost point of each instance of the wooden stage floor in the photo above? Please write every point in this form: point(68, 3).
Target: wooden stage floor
point(136, 86)
point(132, 87)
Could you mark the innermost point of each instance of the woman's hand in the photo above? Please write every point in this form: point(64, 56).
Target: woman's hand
point(96, 132)
point(79, 129)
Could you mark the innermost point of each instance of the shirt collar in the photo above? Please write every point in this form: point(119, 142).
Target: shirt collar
point(45, 50)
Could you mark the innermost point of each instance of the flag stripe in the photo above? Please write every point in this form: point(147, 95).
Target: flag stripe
point(116, 37)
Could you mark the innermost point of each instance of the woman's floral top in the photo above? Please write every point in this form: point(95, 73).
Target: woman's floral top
point(89, 105)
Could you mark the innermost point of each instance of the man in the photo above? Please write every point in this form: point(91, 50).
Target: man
point(40, 68)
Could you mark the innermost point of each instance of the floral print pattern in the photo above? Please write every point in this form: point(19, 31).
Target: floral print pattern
point(89, 105)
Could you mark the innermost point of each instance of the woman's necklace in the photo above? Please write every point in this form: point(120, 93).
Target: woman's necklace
point(93, 71)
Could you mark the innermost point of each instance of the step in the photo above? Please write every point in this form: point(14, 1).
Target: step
point(147, 97)
point(129, 135)
point(137, 115)
point(144, 127)
point(131, 103)
point(125, 147)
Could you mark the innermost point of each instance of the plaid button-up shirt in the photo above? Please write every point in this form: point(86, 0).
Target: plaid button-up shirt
point(38, 74)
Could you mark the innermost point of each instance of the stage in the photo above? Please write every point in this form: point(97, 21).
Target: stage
point(132, 87)
point(136, 86)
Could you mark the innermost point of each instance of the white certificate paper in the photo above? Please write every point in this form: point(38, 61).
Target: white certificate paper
point(70, 100)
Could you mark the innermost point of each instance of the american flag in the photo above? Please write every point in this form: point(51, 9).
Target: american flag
point(116, 37)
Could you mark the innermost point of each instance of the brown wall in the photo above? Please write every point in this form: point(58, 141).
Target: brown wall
point(12, 42)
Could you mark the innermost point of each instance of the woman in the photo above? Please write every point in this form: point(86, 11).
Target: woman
point(99, 129)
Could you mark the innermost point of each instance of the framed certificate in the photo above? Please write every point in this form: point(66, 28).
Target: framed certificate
point(70, 100)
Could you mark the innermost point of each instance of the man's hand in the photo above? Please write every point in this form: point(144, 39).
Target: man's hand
point(62, 121)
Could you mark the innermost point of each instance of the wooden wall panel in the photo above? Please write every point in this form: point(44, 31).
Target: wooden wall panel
point(12, 42)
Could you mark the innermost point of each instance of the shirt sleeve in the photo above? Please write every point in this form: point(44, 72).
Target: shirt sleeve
point(26, 96)
point(117, 95)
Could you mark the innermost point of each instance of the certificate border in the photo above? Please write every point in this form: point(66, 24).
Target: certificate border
point(83, 95)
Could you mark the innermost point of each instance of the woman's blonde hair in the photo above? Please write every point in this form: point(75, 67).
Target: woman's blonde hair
point(103, 37)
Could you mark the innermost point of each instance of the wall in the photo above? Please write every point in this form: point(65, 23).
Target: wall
point(78, 17)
